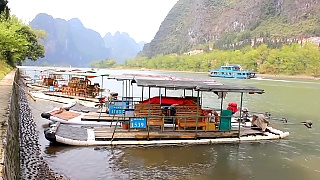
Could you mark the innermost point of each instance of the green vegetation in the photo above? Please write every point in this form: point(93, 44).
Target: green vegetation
point(18, 41)
point(289, 59)
point(108, 63)
point(4, 69)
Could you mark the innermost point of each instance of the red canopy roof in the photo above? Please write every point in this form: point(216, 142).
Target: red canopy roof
point(168, 101)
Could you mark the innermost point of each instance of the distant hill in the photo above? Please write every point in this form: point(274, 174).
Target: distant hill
point(233, 24)
point(122, 46)
point(69, 42)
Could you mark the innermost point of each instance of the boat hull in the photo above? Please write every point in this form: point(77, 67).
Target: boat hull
point(92, 142)
point(92, 139)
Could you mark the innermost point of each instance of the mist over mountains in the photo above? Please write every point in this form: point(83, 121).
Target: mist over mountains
point(70, 43)
point(122, 46)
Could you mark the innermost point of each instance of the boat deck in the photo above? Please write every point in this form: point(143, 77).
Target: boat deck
point(108, 133)
point(59, 94)
point(103, 116)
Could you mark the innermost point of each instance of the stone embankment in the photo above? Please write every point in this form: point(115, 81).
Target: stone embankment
point(19, 146)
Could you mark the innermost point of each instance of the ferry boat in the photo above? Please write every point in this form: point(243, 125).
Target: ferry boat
point(232, 71)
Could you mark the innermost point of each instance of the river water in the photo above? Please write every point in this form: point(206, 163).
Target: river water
point(296, 157)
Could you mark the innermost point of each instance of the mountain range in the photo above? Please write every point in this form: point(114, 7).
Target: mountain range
point(190, 25)
point(207, 24)
point(121, 46)
point(70, 43)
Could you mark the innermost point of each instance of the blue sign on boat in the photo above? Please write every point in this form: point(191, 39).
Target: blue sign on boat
point(138, 122)
point(116, 110)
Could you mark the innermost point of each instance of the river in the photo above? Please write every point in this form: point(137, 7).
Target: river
point(296, 157)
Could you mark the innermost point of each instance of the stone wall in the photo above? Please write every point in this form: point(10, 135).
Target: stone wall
point(9, 128)
point(19, 141)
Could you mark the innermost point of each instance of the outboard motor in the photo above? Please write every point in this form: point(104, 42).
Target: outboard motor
point(112, 96)
point(245, 114)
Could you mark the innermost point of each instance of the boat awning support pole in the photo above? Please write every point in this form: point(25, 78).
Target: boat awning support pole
point(132, 89)
point(101, 87)
point(197, 120)
point(148, 114)
point(129, 88)
point(221, 104)
point(122, 88)
point(126, 88)
point(142, 98)
point(165, 92)
point(160, 95)
point(241, 98)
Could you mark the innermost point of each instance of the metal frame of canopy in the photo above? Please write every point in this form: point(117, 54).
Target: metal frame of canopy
point(200, 86)
point(126, 78)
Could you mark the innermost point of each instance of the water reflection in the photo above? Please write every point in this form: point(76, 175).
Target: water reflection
point(185, 162)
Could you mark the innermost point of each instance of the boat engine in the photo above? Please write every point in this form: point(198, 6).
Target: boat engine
point(112, 96)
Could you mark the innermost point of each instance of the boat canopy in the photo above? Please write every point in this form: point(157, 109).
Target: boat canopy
point(124, 77)
point(197, 85)
point(157, 77)
point(167, 100)
point(82, 73)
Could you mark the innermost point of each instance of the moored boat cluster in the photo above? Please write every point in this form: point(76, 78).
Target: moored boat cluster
point(156, 119)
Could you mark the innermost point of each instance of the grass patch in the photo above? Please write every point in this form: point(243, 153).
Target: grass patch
point(4, 69)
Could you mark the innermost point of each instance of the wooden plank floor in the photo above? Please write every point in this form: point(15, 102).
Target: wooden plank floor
point(93, 116)
point(106, 133)
point(59, 94)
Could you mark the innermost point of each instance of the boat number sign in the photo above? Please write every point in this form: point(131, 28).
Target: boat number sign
point(116, 110)
point(138, 122)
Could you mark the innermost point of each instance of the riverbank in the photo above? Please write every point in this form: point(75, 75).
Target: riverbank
point(281, 76)
point(5, 91)
point(20, 155)
point(277, 76)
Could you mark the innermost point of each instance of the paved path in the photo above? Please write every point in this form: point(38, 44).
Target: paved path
point(5, 94)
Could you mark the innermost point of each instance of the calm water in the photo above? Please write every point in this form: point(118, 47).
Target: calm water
point(297, 157)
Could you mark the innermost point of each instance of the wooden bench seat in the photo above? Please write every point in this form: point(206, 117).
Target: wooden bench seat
point(187, 116)
point(152, 112)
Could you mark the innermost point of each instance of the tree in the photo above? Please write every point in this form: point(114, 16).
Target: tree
point(18, 41)
point(4, 8)
point(107, 63)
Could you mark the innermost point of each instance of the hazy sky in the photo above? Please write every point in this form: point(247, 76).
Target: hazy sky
point(139, 18)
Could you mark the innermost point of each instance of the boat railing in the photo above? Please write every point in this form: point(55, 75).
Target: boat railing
point(148, 118)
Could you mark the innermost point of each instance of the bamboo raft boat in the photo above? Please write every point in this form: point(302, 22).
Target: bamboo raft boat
point(77, 136)
point(147, 126)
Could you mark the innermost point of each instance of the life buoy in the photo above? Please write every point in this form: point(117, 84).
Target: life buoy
point(216, 116)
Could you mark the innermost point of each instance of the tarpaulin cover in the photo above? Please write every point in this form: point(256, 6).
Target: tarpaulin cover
point(168, 101)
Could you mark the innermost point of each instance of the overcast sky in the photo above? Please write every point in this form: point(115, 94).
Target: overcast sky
point(139, 18)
